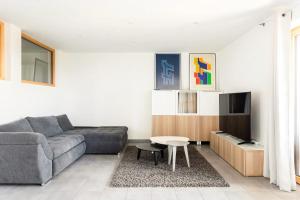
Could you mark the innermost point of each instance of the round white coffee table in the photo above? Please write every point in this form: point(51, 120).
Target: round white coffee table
point(173, 142)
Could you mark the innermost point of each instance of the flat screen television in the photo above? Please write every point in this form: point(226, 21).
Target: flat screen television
point(235, 114)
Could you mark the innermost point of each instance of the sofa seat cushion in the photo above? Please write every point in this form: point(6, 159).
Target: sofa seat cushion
point(63, 143)
point(21, 125)
point(47, 126)
point(104, 140)
point(66, 159)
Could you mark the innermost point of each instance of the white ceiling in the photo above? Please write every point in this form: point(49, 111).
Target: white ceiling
point(137, 25)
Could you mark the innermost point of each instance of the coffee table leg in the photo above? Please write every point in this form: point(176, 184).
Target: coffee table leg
point(139, 154)
point(186, 155)
point(155, 157)
point(169, 154)
point(174, 157)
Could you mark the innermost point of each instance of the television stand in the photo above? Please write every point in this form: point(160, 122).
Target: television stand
point(246, 142)
point(248, 159)
point(219, 132)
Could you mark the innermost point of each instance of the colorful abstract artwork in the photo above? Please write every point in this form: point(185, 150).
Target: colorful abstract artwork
point(167, 71)
point(202, 71)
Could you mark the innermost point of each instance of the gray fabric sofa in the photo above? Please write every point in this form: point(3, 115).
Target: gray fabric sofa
point(35, 149)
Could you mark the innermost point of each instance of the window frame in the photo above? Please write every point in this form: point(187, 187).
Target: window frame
point(2, 50)
point(36, 42)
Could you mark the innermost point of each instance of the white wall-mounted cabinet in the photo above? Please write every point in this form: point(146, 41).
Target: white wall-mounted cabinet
point(163, 102)
point(208, 103)
point(185, 102)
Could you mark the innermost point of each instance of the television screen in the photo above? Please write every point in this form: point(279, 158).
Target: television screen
point(235, 114)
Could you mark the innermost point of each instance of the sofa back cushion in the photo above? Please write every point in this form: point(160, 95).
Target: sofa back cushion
point(21, 125)
point(64, 122)
point(47, 126)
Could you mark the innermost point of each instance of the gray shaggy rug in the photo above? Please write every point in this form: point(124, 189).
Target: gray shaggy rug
point(143, 173)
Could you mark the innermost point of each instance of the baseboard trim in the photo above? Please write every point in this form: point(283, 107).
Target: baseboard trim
point(298, 179)
point(138, 141)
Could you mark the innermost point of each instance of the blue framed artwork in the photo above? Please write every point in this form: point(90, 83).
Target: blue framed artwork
point(167, 71)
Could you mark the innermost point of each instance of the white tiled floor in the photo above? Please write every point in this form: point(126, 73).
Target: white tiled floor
point(88, 179)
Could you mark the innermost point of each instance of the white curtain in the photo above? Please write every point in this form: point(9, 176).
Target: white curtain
point(279, 148)
point(297, 95)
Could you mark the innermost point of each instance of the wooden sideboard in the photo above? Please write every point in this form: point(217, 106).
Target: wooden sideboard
point(248, 159)
point(195, 127)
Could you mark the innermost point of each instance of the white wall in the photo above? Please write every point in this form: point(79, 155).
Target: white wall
point(19, 100)
point(246, 65)
point(111, 89)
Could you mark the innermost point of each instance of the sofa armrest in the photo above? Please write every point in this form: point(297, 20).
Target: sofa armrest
point(26, 138)
point(25, 158)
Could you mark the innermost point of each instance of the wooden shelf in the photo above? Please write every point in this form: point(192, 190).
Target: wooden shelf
point(247, 158)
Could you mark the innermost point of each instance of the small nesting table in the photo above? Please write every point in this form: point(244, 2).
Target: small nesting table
point(173, 142)
point(155, 150)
